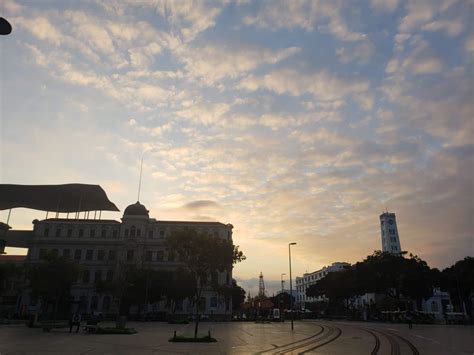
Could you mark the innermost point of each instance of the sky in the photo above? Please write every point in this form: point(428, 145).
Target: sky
point(295, 121)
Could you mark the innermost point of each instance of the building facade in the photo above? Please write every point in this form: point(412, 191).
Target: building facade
point(308, 279)
point(389, 233)
point(101, 247)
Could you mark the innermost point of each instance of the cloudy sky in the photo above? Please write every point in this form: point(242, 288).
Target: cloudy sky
point(293, 120)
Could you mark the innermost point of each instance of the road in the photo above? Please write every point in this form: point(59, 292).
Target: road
point(309, 337)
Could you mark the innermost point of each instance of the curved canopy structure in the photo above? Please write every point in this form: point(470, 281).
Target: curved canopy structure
point(56, 198)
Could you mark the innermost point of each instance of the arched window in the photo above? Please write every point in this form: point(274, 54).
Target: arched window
point(133, 231)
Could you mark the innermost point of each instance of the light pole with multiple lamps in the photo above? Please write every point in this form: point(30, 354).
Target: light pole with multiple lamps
point(291, 284)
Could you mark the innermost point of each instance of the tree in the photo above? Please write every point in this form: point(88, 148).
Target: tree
point(458, 280)
point(232, 292)
point(282, 300)
point(9, 273)
point(202, 255)
point(51, 279)
point(391, 274)
point(134, 285)
point(179, 286)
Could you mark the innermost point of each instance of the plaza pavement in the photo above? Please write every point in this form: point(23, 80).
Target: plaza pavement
point(322, 337)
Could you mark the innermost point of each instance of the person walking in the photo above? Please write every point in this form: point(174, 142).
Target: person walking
point(75, 321)
point(409, 318)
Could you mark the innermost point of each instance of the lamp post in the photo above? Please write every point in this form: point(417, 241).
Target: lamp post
point(291, 284)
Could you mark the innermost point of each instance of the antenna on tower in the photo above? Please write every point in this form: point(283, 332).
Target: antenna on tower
point(140, 180)
point(261, 286)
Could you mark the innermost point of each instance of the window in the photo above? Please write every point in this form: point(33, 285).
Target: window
point(179, 305)
point(159, 255)
point(69, 233)
point(114, 233)
point(67, 253)
point(213, 301)
point(139, 232)
point(126, 232)
point(86, 276)
point(54, 252)
point(162, 234)
point(58, 232)
point(112, 254)
point(92, 233)
point(103, 233)
point(149, 255)
point(110, 276)
point(129, 255)
point(98, 276)
point(78, 254)
point(46, 232)
point(133, 232)
point(81, 233)
point(89, 253)
point(150, 234)
point(170, 256)
point(42, 253)
point(101, 255)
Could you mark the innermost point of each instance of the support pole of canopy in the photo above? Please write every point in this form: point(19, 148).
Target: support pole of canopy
point(47, 212)
point(67, 215)
point(9, 214)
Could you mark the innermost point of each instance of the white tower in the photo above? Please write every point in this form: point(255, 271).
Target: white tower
point(390, 238)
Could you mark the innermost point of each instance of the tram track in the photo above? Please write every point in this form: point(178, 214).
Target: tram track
point(293, 343)
point(393, 339)
point(326, 335)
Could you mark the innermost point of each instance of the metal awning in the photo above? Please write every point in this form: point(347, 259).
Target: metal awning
point(55, 198)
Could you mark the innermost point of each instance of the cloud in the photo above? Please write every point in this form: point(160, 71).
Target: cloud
point(306, 15)
point(189, 18)
point(452, 28)
point(360, 53)
point(384, 5)
point(426, 66)
point(321, 85)
point(213, 63)
point(200, 204)
point(41, 28)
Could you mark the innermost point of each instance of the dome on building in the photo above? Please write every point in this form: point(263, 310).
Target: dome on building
point(136, 209)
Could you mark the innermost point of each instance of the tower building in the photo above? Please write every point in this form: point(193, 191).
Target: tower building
point(389, 231)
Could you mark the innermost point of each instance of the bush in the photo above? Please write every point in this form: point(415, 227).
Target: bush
point(183, 339)
point(110, 330)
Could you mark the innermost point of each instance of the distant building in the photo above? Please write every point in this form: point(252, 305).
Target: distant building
point(389, 233)
point(308, 279)
point(100, 246)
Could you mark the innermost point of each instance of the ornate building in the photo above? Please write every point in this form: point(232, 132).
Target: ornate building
point(100, 246)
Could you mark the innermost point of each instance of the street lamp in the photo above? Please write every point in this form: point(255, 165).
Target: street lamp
point(291, 284)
